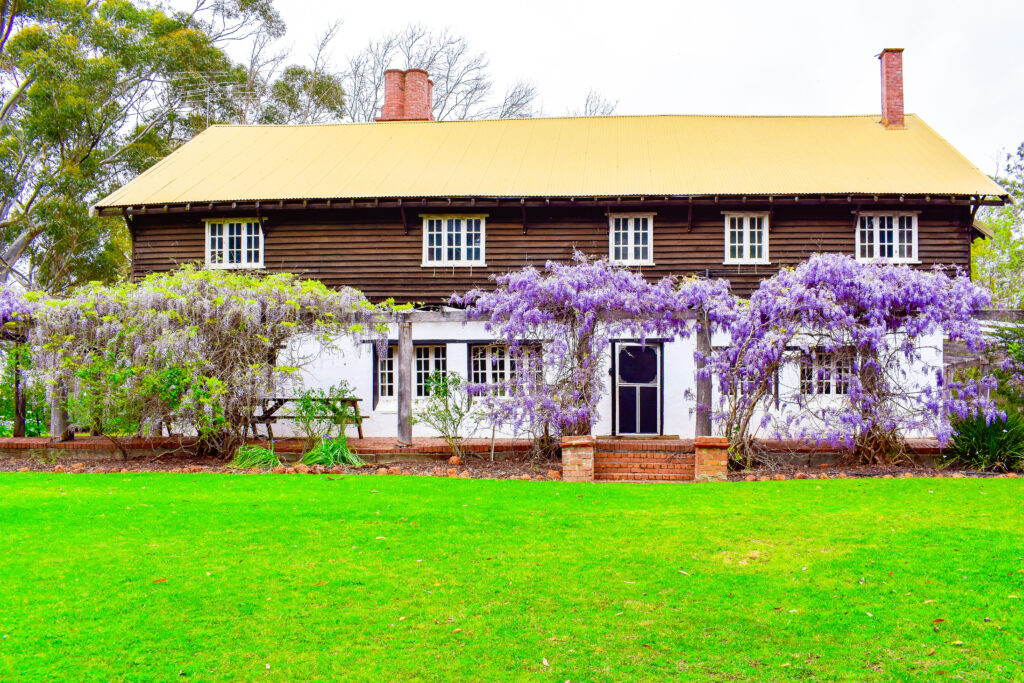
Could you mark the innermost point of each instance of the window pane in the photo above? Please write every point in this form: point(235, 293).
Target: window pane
point(253, 243)
point(736, 237)
point(842, 375)
point(386, 373)
point(473, 239)
point(429, 359)
point(620, 238)
point(756, 237)
point(885, 237)
point(823, 372)
point(806, 374)
point(216, 243)
point(434, 226)
point(454, 239)
point(640, 234)
point(867, 237)
point(234, 242)
point(905, 238)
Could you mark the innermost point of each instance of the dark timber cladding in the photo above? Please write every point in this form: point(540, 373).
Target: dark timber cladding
point(370, 249)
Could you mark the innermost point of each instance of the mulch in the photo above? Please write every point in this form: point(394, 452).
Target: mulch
point(513, 467)
point(858, 472)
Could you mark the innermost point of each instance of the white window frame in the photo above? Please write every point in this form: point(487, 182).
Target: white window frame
point(386, 370)
point(462, 248)
point(747, 231)
point(427, 359)
point(247, 262)
point(875, 218)
point(631, 244)
point(489, 364)
point(825, 373)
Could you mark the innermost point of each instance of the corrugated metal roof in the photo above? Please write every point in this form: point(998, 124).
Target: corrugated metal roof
point(559, 157)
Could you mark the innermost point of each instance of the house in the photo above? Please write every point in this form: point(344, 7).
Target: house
point(417, 209)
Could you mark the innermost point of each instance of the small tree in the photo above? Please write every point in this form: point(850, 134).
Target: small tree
point(194, 347)
point(448, 408)
point(558, 324)
point(320, 413)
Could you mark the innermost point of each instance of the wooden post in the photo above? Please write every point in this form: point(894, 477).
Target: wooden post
point(702, 427)
point(59, 428)
point(18, 430)
point(405, 381)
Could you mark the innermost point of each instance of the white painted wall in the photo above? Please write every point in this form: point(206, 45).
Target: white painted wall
point(353, 362)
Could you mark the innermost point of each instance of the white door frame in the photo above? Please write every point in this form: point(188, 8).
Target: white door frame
point(657, 384)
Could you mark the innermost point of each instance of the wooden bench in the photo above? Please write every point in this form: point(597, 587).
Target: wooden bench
point(337, 407)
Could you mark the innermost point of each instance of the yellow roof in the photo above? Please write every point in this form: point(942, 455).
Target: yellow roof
point(559, 157)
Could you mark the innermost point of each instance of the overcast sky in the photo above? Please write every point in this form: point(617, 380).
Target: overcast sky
point(963, 65)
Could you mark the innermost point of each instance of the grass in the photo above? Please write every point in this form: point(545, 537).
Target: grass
point(213, 577)
point(254, 456)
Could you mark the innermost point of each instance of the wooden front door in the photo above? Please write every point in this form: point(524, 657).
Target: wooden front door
point(637, 389)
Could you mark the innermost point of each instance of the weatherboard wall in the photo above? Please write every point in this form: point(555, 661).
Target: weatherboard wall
point(369, 249)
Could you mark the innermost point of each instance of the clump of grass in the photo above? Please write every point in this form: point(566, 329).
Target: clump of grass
point(979, 444)
point(330, 452)
point(248, 456)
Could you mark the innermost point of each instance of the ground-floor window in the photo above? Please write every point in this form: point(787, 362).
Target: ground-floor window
point(429, 359)
point(386, 373)
point(490, 364)
point(825, 372)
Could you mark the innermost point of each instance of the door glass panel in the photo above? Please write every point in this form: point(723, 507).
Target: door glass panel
point(648, 410)
point(627, 410)
point(638, 365)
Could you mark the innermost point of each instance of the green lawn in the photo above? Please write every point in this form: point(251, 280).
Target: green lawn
point(212, 577)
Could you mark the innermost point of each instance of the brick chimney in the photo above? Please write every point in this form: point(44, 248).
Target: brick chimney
point(408, 96)
point(892, 87)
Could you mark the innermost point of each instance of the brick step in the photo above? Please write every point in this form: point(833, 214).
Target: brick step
point(653, 470)
point(644, 456)
point(634, 463)
point(628, 476)
point(650, 451)
point(633, 467)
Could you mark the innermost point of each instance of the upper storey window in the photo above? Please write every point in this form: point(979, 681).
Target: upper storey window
point(630, 239)
point(887, 237)
point(453, 240)
point(234, 243)
point(746, 238)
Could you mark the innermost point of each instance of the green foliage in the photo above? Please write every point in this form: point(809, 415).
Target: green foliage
point(248, 456)
point(1010, 393)
point(330, 452)
point(979, 445)
point(998, 261)
point(18, 361)
point(93, 93)
point(319, 413)
point(196, 348)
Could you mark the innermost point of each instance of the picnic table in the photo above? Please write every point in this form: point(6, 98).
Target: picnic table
point(339, 408)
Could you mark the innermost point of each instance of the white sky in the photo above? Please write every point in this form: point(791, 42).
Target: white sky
point(963, 65)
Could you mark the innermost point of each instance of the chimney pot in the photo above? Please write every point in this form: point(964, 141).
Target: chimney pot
point(891, 60)
point(407, 96)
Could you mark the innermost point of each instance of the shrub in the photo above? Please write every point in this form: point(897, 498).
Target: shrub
point(978, 444)
point(330, 452)
point(448, 409)
point(254, 456)
point(221, 330)
point(317, 414)
point(16, 368)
